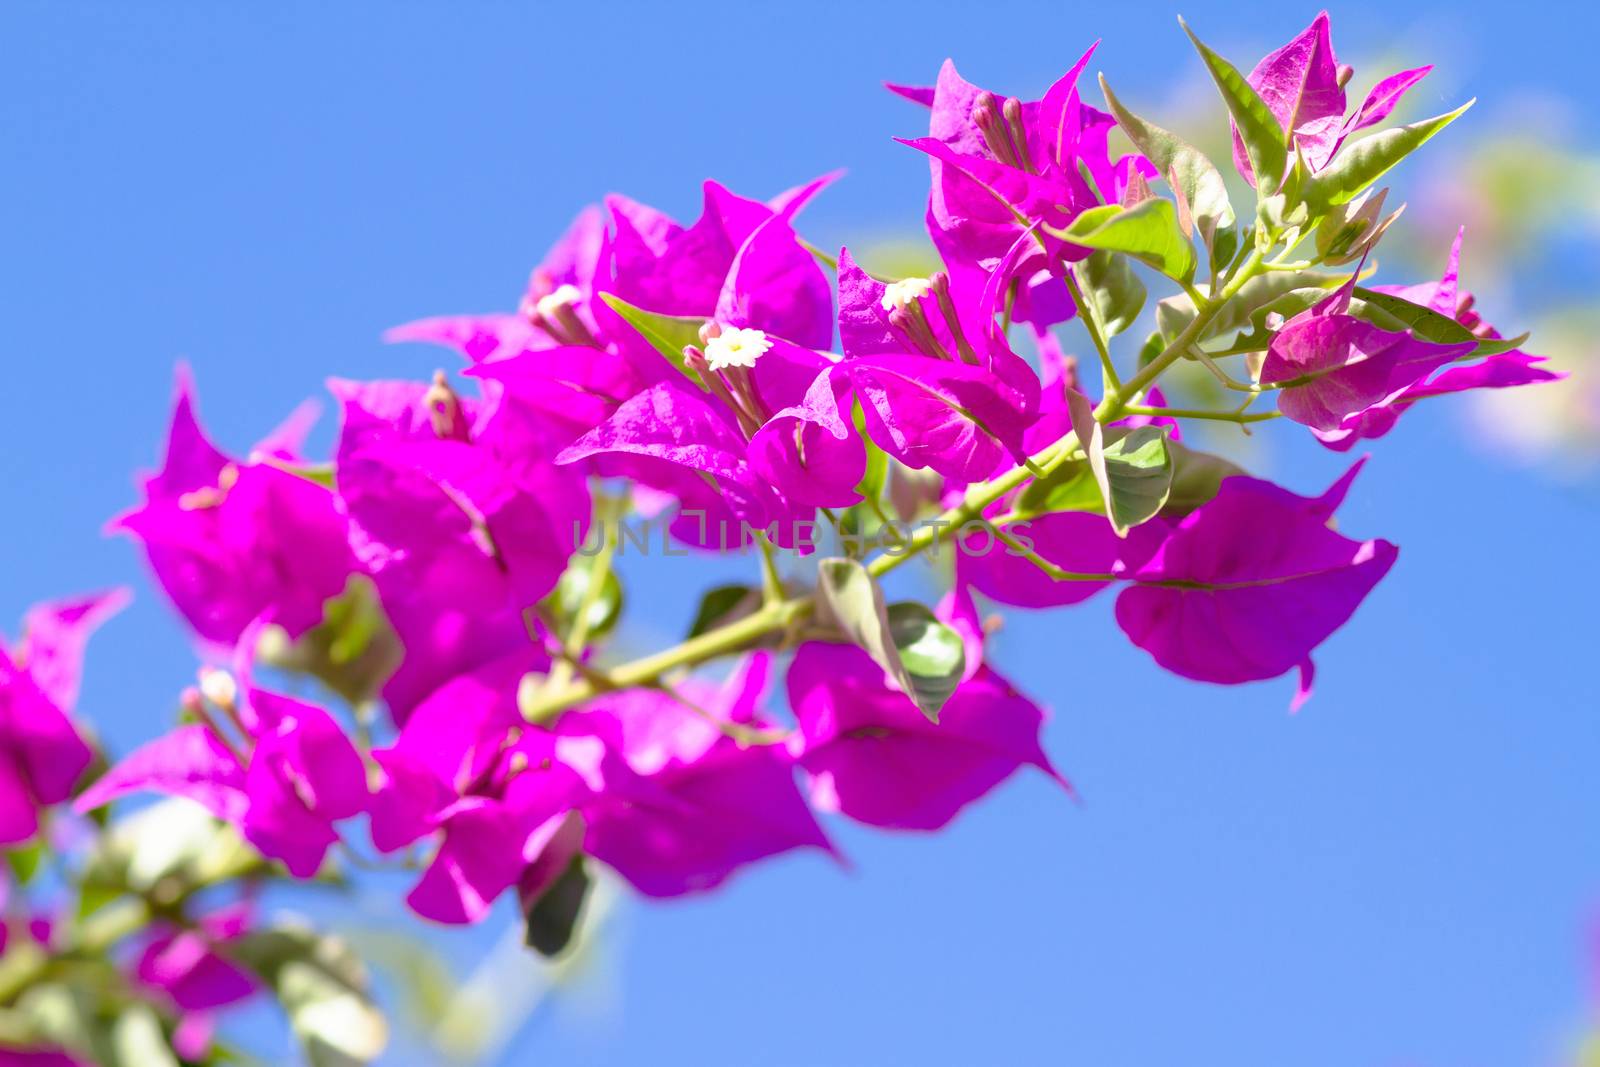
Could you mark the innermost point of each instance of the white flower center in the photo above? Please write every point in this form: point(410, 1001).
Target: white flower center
point(905, 292)
point(736, 347)
point(551, 303)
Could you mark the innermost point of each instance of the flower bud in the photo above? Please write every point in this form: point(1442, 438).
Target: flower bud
point(444, 410)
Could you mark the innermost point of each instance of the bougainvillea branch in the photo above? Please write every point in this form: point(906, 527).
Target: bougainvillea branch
point(450, 575)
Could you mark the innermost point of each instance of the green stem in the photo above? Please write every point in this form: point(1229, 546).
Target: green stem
point(1056, 574)
point(572, 647)
point(978, 498)
point(1243, 349)
point(1194, 413)
point(1222, 376)
point(1091, 322)
point(829, 260)
point(551, 701)
point(745, 736)
point(885, 524)
point(771, 580)
point(1116, 402)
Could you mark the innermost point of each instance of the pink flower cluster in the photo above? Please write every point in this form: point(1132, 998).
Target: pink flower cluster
point(726, 375)
point(461, 513)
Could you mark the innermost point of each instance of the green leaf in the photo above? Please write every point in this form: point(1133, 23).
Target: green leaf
point(1360, 164)
point(352, 651)
point(1264, 139)
point(323, 988)
point(1288, 305)
point(1495, 346)
point(1070, 487)
point(1153, 346)
point(1225, 246)
point(137, 1040)
point(724, 604)
point(323, 474)
point(1173, 313)
point(67, 1014)
point(933, 653)
point(668, 334)
point(1132, 469)
point(1138, 476)
point(1423, 322)
point(924, 656)
point(172, 843)
point(1353, 229)
point(552, 919)
point(94, 896)
point(1117, 292)
point(1284, 215)
point(423, 983)
point(1185, 167)
point(1196, 477)
point(1148, 231)
point(24, 860)
point(1395, 313)
point(877, 471)
point(566, 600)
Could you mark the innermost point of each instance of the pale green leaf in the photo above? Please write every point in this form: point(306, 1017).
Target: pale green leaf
point(1423, 322)
point(1196, 477)
point(323, 989)
point(1352, 229)
point(571, 591)
point(1184, 166)
point(934, 655)
point(1138, 476)
point(667, 334)
point(910, 644)
point(137, 1040)
point(1264, 139)
point(1396, 313)
point(1070, 487)
point(1360, 164)
point(1116, 291)
point(352, 651)
point(723, 604)
point(550, 921)
point(1148, 231)
point(1132, 468)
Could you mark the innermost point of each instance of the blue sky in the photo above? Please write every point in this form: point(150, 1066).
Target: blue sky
point(1403, 874)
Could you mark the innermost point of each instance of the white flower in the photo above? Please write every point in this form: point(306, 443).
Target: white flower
point(219, 688)
point(736, 347)
point(553, 302)
point(905, 292)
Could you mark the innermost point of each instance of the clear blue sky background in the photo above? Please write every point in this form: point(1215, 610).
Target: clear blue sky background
point(1403, 874)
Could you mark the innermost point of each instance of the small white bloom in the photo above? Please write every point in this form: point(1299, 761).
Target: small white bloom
point(219, 688)
point(553, 302)
point(905, 292)
point(736, 347)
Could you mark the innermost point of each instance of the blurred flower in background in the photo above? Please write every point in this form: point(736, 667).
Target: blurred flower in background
point(1526, 191)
